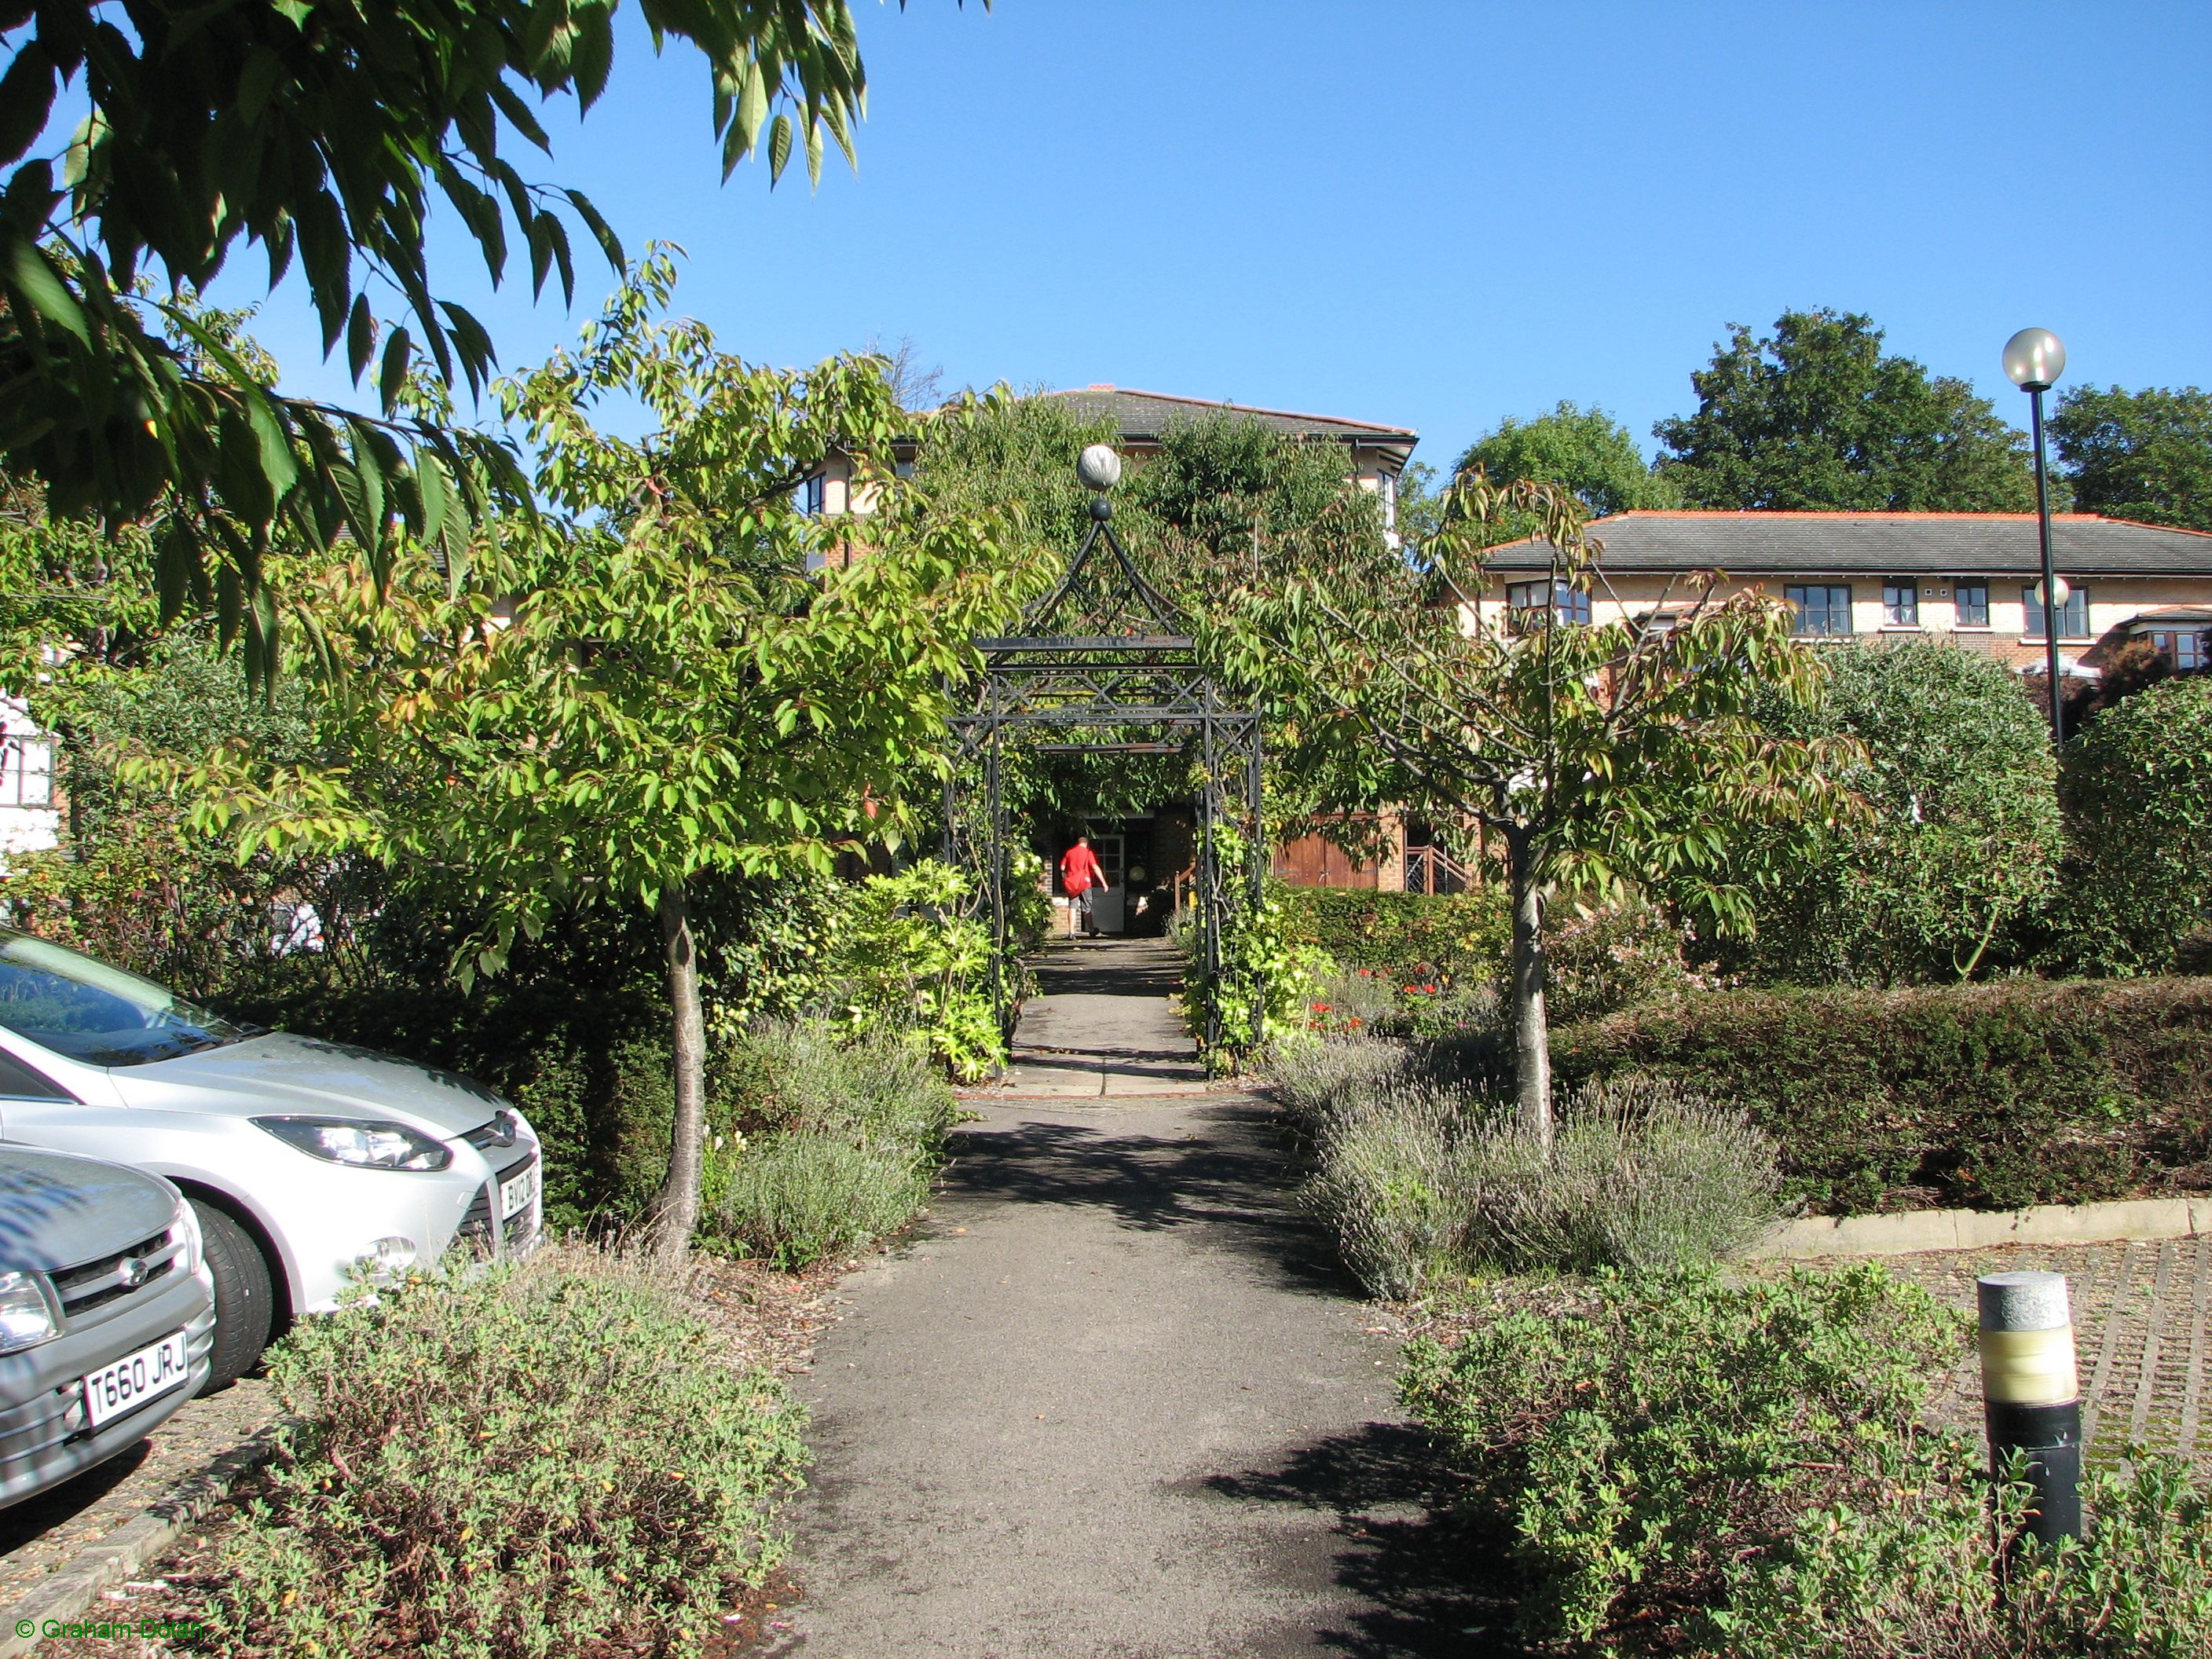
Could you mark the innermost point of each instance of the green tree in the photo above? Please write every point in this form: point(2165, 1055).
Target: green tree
point(2144, 455)
point(1815, 416)
point(1584, 451)
point(2136, 784)
point(1593, 756)
point(649, 690)
point(320, 133)
point(1959, 844)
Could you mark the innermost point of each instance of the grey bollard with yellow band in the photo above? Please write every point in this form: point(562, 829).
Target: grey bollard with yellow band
point(2030, 1394)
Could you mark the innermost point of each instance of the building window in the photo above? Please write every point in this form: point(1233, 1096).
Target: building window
point(2073, 615)
point(1386, 486)
point(1900, 605)
point(1822, 610)
point(1525, 607)
point(809, 496)
point(1973, 603)
point(2186, 651)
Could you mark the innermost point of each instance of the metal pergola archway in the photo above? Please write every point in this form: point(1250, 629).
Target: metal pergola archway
point(1104, 649)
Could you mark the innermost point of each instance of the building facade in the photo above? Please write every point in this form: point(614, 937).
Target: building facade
point(1970, 578)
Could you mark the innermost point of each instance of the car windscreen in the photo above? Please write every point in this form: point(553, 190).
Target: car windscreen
point(98, 1014)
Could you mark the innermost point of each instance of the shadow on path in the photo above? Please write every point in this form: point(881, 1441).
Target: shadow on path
point(1234, 1188)
point(1431, 1580)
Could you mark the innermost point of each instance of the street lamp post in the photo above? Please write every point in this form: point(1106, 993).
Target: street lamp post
point(2034, 358)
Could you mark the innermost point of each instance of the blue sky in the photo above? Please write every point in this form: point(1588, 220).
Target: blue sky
point(1431, 213)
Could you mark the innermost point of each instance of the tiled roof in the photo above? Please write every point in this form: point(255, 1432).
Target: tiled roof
point(1878, 543)
point(1143, 417)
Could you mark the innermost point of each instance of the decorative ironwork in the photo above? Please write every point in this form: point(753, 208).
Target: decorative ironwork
point(1104, 651)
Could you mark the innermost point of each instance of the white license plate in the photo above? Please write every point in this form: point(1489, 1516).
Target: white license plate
point(136, 1378)
point(519, 1194)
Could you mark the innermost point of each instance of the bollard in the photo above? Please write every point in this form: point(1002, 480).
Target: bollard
point(2030, 1397)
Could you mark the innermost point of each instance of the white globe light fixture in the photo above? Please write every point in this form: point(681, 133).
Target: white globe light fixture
point(1099, 466)
point(2034, 358)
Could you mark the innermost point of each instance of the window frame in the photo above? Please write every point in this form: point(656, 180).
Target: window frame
point(2032, 627)
point(1568, 604)
point(1892, 585)
point(1793, 592)
point(1960, 588)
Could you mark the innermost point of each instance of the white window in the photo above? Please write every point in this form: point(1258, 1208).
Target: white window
point(1386, 485)
point(1526, 606)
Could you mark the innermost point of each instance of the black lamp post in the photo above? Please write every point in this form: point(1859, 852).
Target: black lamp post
point(2035, 358)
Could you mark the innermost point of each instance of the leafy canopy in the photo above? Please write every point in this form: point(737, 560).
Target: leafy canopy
point(320, 131)
point(1585, 451)
point(1960, 840)
point(1816, 416)
point(646, 686)
point(2143, 455)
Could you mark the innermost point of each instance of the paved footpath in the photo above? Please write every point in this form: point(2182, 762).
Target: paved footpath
point(1115, 1401)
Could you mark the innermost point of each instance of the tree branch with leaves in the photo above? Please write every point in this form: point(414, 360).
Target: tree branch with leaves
point(1592, 755)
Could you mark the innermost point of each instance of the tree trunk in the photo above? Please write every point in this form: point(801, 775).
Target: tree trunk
point(1532, 1030)
point(674, 1212)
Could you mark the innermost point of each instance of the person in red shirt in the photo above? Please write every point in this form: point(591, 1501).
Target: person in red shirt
point(1080, 872)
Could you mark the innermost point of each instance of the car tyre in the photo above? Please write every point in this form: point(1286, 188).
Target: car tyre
point(245, 1297)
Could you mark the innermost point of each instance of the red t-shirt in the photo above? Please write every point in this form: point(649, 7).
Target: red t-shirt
point(1078, 868)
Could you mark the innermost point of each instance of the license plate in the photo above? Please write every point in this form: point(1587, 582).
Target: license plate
point(519, 1194)
point(136, 1378)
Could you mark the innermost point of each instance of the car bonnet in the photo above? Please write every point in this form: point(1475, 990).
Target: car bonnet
point(281, 1072)
point(57, 1211)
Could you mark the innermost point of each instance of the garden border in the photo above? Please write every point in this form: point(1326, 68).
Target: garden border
point(1812, 1238)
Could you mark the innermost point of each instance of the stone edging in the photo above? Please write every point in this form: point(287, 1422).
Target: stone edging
point(127, 1552)
point(1811, 1238)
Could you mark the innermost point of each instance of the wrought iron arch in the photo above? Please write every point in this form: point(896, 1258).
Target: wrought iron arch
point(1106, 649)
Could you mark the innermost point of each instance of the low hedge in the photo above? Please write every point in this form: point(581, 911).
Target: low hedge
point(1986, 1096)
point(1460, 934)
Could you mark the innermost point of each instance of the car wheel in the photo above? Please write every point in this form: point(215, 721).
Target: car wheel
point(245, 1299)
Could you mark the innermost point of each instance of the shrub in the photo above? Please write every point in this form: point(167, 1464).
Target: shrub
point(1394, 1181)
point(1991, 1097)
point(2137, 786)
point(1913, 1577)
point(818, 1145)
point(1640, 1441)
point(1959, 846)
point(1315, 1080)
point(548, 1459)
point(795, 1198)
point(1418, 1177)
point(1602, 957)
point(1461, 935)
point(1641, 1175)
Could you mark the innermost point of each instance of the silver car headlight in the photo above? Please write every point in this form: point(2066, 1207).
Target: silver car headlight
point(27, 1316)
point(185, 1229)
point(364, 1145)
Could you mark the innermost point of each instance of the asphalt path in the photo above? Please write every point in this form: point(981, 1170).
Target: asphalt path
point(1115, 1398)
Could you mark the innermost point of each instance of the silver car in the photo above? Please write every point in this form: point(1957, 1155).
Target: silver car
point(106, 1314)
point(309, 1163)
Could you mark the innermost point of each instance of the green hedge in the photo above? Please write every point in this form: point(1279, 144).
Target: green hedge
point(1989, 1096)
point(1460, 934)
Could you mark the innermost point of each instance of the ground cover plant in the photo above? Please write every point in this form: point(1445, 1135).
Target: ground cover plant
point(1689, 1466)
point(1989, 1096)
point(549, 1458)
point(1638, 1435)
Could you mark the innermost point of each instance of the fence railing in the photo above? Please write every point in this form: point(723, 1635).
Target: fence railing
point(1431, 870)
